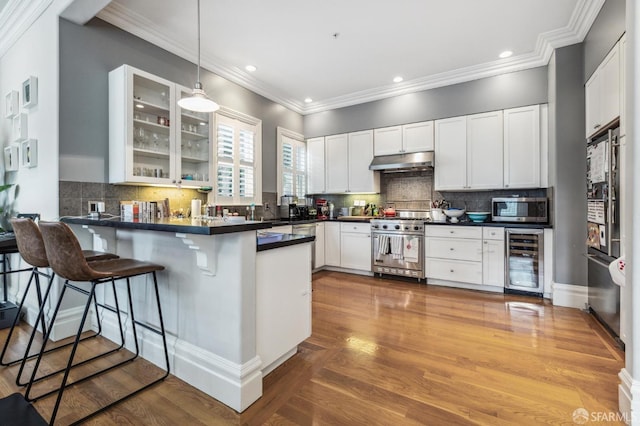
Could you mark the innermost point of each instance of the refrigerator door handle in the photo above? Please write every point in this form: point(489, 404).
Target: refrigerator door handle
point(610, 207)
point(595, 259)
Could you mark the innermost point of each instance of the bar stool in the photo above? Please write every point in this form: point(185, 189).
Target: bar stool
point(31, 248)
point(66, 259)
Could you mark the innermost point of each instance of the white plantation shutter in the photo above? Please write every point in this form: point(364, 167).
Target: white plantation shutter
point(292, 164)
point(238, 159)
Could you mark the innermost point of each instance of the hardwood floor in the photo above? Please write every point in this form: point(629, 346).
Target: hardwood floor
point(387, 352)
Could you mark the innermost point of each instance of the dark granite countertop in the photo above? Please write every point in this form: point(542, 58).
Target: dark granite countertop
point(495, 224)
point(287, 240)
point(187, 226)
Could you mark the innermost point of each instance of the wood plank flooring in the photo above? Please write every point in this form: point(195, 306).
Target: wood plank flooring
point(387, 352)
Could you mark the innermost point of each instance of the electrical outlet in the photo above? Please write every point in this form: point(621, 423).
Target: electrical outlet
point(266, 206)
point(96, 206)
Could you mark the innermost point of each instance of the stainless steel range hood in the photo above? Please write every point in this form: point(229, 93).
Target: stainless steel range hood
point(410, 162)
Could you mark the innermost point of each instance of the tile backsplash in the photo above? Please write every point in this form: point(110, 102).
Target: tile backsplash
point(415, 191)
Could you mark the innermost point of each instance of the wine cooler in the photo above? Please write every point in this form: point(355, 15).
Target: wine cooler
point(525, 260)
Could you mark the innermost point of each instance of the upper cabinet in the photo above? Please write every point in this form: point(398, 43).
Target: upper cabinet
point(151, 141)
point(493, 150)
point(469, 152)
point(602, 93)
point(316, 165)
point(347, 159)
point(415, 137)
point(522, 145)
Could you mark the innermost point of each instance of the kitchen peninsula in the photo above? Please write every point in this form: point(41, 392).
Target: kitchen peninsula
point(218, 293)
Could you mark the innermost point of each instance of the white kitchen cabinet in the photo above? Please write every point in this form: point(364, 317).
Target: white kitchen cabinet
point(320, 246)
point(602, 93)
point(469, 152)
point(316, 165)
point(522, 144)
point(465, 254)
point(415, 137)
point(493, 256)
point(388, 140)
point(450, 166)
point(360, 154)
point(337, 163)
point(347, 159)
point(355, 246)
point(484, 150)
point(418, 137)
point(151, 140)
point(283, 303)
point(332, 243)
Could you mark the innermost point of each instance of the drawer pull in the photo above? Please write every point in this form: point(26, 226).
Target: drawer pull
point(451, 270)
point(451, 248)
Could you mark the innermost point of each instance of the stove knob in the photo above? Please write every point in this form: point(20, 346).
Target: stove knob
point(384, 226)
point(397, 226)
point(406, 228)
point(416, 228)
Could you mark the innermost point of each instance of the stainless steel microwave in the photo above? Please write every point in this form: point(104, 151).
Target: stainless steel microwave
point(526, 210)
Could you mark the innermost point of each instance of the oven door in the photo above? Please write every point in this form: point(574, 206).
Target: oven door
point(397, 254)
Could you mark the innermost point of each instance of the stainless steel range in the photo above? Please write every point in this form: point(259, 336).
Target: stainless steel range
point(398, 245)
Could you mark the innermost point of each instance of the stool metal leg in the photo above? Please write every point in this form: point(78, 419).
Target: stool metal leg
point(17, 318)
point(96, 304)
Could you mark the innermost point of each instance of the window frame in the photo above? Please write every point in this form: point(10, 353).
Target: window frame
point(238, 121)
point(281, 133)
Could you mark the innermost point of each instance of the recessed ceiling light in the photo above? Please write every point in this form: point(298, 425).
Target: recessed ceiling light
point(397, 79)
point(250, 68)
point(506, 54)
point(308, 100)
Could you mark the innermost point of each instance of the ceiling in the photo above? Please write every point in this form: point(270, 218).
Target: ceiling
point(341, 53)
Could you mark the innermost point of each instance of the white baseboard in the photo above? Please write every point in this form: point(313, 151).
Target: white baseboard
point(67, 323)
point(346, 270)
point(235, 385)
point(571, 296)
point(456, 284)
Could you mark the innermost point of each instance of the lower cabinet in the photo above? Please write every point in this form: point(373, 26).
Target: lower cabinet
point(332, 243)
point(473, 255)
point(283, 303)
point(319, 260)
point(355, 246)
point(493, 256)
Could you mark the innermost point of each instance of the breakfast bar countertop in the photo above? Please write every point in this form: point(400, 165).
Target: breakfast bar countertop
point(187, 226)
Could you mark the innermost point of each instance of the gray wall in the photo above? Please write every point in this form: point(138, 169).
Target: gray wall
point(88, 53)
point(603, 34)
point(568, 164)
point(510, 90)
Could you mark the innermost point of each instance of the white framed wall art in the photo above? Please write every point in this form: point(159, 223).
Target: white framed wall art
point(11, 104)
point(11, 158)
point(19, 128)
point(30, 92)
point(29, 153)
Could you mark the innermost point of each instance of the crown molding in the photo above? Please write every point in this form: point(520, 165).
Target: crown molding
point(583, 16)
point(16, 18)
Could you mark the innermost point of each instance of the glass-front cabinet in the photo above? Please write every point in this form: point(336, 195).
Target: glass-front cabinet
point(194, 145)
point(152, 141)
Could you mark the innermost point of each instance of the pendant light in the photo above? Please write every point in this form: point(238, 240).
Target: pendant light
point(198, 101)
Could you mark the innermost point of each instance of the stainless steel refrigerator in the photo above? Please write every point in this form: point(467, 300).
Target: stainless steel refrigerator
point(603, 227)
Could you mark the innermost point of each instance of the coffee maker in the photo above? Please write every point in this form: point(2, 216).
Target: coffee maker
point(289, 207)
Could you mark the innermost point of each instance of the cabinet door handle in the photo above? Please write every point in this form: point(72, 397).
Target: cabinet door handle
point(451, 270)
point(451, 248)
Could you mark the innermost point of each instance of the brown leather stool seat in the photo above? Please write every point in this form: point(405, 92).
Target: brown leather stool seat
point(31, 248)
point(67, 261)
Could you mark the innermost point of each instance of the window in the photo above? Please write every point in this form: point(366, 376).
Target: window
point(238, 158)
point(292, 164)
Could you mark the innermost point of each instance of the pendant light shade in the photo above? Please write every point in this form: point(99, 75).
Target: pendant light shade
point(198, 101)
